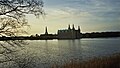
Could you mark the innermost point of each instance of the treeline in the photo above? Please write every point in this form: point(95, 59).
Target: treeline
point(100, 34)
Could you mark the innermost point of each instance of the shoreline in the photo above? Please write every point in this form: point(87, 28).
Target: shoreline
point(39, 38)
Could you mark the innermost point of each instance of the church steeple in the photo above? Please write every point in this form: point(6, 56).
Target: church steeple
point(46, 32)
point(69, 27)
point(73, 27)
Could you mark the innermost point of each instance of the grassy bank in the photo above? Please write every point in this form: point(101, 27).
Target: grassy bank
point(103, 62)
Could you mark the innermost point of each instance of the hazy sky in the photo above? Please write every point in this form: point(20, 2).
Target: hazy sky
point(91, 15)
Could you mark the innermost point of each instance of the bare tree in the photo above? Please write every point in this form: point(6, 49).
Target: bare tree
point(13, 14)
point(13, 21)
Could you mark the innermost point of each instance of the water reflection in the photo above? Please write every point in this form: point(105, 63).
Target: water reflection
point(46, 50)
point(70, 49)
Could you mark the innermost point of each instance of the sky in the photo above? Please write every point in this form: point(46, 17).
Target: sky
point(90, 15)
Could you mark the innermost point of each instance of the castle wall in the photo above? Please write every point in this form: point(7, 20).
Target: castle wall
point(78, 34)
point(68, 34)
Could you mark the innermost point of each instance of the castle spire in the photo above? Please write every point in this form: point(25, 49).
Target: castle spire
point(73, 27)
point(79, 29)
point(46, 32)
point(69, 27)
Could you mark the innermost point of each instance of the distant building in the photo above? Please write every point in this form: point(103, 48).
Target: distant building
point(69, 33)
point(63, 34)
point(47, 35)
point(46, 32)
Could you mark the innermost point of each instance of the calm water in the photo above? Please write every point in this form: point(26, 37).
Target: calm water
point(62, 51)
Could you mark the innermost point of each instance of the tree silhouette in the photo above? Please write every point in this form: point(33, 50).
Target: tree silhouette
point(13, 14)
point(13, 21)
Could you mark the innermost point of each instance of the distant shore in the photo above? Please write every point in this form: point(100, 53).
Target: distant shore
point(38, 38)
point(54, 36)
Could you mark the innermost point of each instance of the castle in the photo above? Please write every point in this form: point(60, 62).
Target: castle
point(69, 33)
point(63, 34)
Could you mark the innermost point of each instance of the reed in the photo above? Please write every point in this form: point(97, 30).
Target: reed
point(103, 62)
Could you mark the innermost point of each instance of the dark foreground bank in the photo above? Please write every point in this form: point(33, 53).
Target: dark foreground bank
point(103, 62)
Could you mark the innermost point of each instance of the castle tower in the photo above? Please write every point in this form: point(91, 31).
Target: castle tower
point(69, 27)
point(79, 29)
point(73, 27)
point(46, 32)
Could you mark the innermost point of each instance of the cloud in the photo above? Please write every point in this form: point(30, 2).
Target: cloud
point(67, 13)
point(92, 15)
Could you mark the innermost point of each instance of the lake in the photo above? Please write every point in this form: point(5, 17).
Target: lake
point(62, 51)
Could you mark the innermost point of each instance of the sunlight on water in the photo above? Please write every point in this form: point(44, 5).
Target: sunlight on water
point(61, 51)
